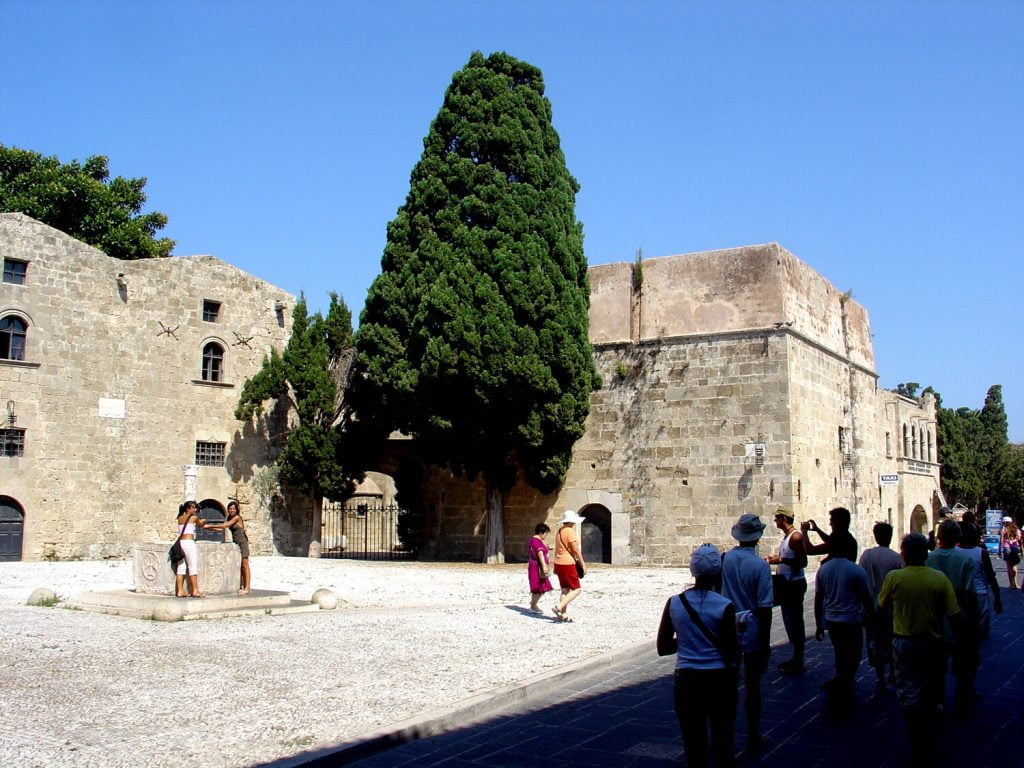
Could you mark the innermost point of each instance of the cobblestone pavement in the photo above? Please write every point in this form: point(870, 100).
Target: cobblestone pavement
point(623, 716)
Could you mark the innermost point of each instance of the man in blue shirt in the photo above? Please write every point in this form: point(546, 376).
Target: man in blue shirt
point(842, 601)
point(966, 646)
point(747, 582)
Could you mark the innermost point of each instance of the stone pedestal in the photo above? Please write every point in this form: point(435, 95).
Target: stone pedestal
point(219, 568)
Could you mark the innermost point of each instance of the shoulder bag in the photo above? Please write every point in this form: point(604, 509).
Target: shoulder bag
point(176, 554)
point(580, 570)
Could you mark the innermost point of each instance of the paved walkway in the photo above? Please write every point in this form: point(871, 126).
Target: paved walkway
point(622, 716)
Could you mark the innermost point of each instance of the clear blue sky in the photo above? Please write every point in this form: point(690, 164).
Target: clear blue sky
point(881, 142)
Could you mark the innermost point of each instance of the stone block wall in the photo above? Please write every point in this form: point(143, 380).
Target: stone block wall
point(111, 395)
point(675, 436)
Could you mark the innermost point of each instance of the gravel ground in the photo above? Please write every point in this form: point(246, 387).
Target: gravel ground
point(87, 689)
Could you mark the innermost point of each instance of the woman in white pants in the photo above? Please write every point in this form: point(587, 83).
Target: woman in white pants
point(187, 522)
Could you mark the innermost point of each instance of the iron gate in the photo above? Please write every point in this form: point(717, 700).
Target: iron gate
point(366, 530)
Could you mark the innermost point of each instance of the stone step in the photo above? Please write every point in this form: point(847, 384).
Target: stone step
point(126, 602)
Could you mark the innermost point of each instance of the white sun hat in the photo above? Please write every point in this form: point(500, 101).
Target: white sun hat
point(570, 516)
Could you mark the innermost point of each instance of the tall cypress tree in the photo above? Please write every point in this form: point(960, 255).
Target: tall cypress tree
point(474, 337)
point(995, 446)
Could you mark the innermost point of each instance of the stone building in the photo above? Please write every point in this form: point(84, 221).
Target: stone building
point(119, 381)
point(734, 381)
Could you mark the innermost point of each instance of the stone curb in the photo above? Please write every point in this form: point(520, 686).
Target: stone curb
point(454, 716)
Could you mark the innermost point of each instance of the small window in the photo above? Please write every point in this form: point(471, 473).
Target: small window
point(12, 338)
point(211, 311)
point(12, 442)
point(210, 454)
point(15, 271)
point(213, 362)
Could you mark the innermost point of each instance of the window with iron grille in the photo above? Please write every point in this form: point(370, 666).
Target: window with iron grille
point(211, 310)
point(15, 271)
point(210, 454)
point(12, 442)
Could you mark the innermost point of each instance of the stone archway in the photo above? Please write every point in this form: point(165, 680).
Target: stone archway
point(12, 529)
point(596, 533)
point(919, 520)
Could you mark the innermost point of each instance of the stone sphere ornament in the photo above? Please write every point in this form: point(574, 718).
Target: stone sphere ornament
point(168, 610)
point(325, 599)
point(42, 596)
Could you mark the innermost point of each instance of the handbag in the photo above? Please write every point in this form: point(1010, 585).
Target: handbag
point(176, 554)
point(778, 587)
point(542, 572)
point(580, 570)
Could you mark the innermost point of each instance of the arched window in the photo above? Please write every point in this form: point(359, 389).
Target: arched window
point(12, 338)
point(931, 446)
point(213, 362)
point(913, 441)
point(906, 442)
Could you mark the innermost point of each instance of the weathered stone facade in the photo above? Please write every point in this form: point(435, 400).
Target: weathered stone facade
point(115, 398)
point(734, 381)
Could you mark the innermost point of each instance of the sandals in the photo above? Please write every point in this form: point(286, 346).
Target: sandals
point(560, 615)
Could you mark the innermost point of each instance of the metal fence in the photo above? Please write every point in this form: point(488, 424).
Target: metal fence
point(366, 530)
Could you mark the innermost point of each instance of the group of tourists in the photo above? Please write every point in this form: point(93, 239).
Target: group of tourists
point(186, 578)
point(917, 609)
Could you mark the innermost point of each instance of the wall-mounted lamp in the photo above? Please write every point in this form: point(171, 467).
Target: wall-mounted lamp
point(12, 417)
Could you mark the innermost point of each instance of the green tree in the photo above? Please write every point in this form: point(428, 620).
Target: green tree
point(993, 445)
point(306, 376)
point(908, 389)
point(474, 339)
point(958, 432)
point(82, 201)
point(1012, 491)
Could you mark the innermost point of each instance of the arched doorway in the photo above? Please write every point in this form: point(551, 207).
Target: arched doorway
point(919, 520)
point(596, 534)
point(211, 511)
point(12, 529)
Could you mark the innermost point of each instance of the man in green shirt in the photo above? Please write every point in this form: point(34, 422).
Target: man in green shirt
point(921, 598)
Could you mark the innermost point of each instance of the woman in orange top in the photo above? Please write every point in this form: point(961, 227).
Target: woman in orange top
point(567, 555)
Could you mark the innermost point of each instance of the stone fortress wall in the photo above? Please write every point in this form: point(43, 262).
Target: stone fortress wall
point(111, 393)
point(734, 381)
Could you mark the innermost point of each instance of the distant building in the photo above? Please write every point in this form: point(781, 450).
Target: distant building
point(734, 381)
point(118, 383)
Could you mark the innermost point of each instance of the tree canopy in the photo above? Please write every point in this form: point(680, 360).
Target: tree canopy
point(83, 201)
point(306, 376)
point(979, 466)
point(474, 336)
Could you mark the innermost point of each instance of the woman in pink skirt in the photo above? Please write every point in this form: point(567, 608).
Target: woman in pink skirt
point(538, 568)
